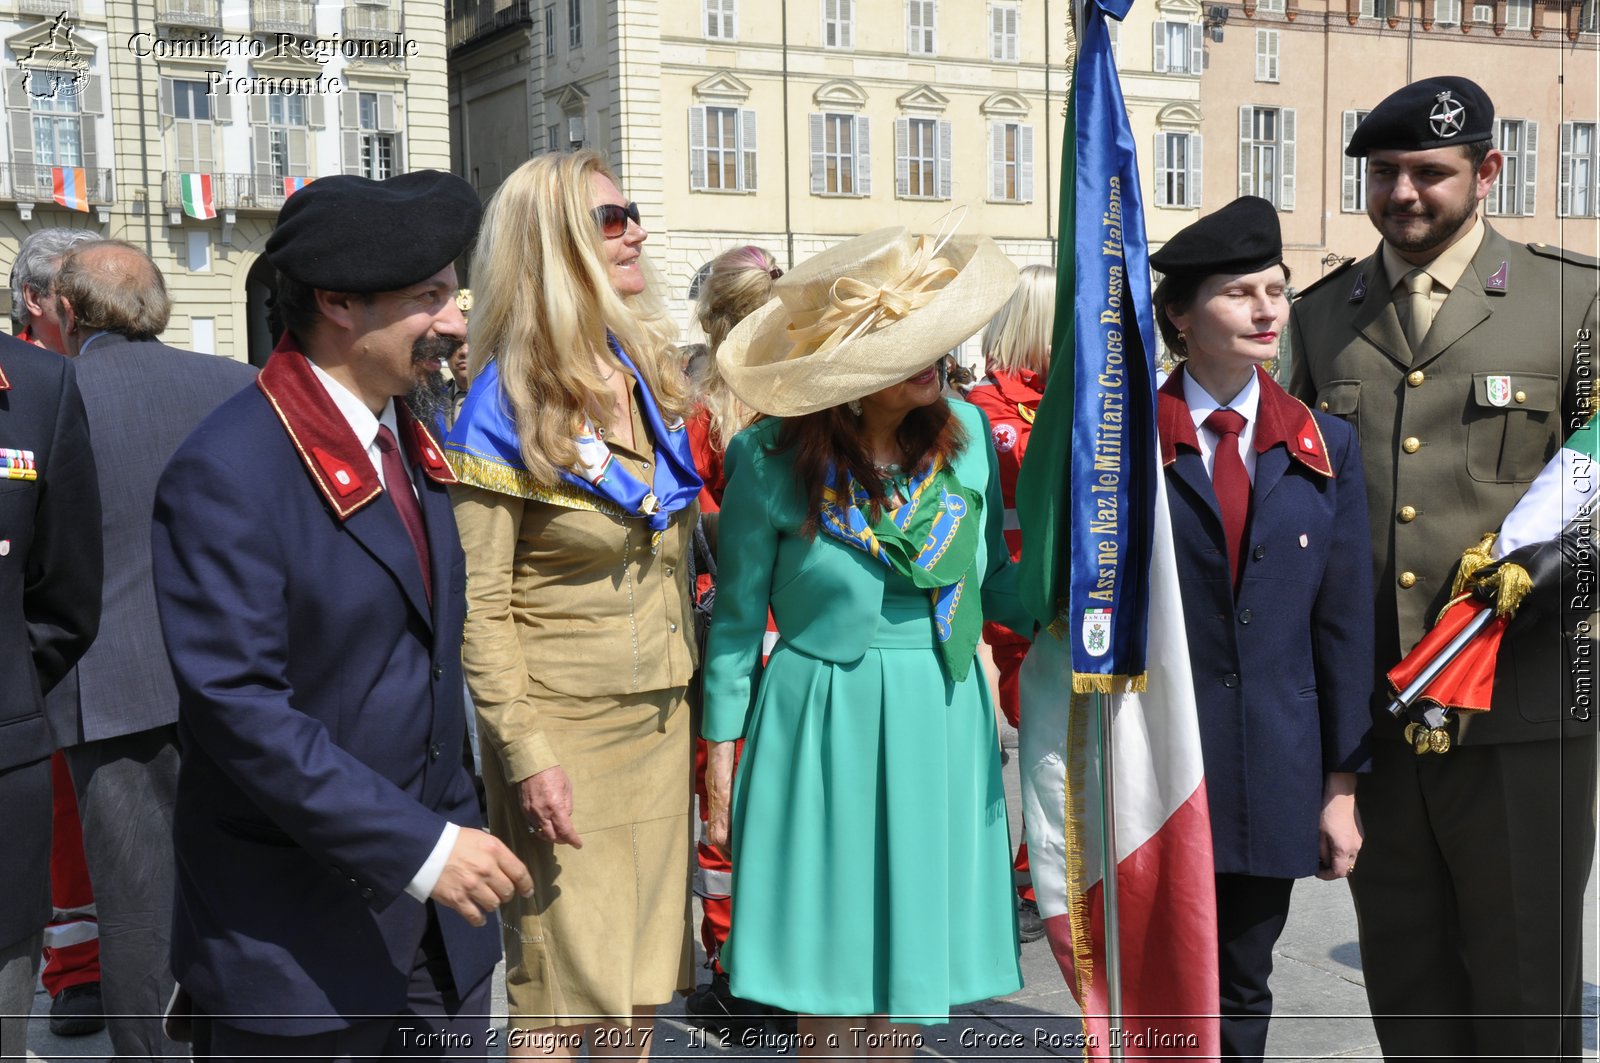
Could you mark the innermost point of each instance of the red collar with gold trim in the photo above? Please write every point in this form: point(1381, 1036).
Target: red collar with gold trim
point(332, 454)
point(1281, 419)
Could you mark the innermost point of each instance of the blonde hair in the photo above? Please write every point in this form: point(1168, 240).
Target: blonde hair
point(738, 282)
point(1017, 339)
point(543, 303)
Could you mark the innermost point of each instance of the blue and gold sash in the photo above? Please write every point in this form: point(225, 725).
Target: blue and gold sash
point(931, 539)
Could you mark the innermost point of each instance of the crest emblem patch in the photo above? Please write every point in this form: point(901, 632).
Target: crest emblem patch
point(1498, 390)
point(1005, 437)
point(1097, 631)
point(1448, 116)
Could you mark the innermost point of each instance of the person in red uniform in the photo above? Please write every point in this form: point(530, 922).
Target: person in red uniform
point(1016, 352)
point(738, 282)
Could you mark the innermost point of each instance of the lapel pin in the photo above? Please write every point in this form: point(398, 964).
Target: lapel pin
point(1304, 542)
point(1496, 281)
point(5, 547)
point(1359, 292)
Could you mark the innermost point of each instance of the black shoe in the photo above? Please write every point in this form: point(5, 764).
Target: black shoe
point(76, 1011)
point(714, 1009)
point(1029, 926)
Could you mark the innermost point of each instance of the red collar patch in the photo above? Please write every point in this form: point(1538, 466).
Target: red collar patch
point(5, 385)
point(332, 454)
point(1280, 419)
point(425, 450)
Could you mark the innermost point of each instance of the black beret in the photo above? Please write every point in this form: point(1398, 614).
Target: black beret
point(1431, 113)
point(353, 234)
point(1242, 237)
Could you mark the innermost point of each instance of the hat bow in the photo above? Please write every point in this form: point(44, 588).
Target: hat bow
point(855, 306)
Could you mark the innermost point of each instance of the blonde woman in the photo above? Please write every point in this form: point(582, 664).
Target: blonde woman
point(1016, 354)
point(576, 504)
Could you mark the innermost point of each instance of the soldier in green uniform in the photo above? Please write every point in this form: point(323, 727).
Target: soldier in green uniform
point(1464, 361)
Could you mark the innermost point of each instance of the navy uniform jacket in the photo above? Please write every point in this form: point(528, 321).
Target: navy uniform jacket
point(50, 571)
point(1282, 672)
point(320, 711)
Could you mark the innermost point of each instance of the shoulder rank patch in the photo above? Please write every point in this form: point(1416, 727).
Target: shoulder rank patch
point(1572, 258)
point(1325, 278)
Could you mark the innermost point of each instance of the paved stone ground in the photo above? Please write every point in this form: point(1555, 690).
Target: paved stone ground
point(1320, 1003)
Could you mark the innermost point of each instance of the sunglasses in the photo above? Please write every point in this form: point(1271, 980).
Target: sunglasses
point(613, 220)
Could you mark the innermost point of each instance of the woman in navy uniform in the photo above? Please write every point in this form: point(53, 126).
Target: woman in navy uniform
point(1269, 514)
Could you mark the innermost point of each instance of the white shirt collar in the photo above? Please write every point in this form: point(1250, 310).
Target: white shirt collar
point(1201, 404)
point(360, 419)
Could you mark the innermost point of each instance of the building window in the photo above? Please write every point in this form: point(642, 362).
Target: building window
point(550, 30)
point(1483, 14)
point(285, 135)
point(1579, 189)
point(1178, 48)
point(1353, 182)
point(377, 157)
point(838, 23)
point(1447, 12)
point(722, 149)
point(1270, 7)
point(919, 27)
point(1010, 162)
point(1589, 17)
point(58, 130)
point(1376, 9)
point(722, 20)
point(1513, 192)
point(1519, 14)
point(841, 155)
point(1266, 154)
point(191, 126)
point(574, 23)
point(921, 158)
point(1178, 169)
point(1003, 33)
point(1267, 55)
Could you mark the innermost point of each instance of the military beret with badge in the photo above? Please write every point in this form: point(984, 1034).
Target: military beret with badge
point(353, 234)
point(1431, 113)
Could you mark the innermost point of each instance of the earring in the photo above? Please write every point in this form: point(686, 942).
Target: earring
point(1183, 340)
point(854, 406)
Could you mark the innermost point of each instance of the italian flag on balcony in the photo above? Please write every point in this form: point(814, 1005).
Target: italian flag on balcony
point(70, 187)
point(198, 202)
point(291, 185)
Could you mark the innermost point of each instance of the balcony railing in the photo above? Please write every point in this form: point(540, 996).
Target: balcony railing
point(31, 183)
point(48, 7)
point(229, 191)
point(369, 22)
point(479, 18)
point(204, 13)
point(283, 16)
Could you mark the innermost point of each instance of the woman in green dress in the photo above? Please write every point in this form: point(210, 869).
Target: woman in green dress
point(868, 820)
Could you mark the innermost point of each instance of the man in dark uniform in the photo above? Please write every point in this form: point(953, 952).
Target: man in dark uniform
point(1464, 361)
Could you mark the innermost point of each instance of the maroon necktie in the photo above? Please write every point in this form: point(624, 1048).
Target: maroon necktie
point(397, 484)
point(1231, 483)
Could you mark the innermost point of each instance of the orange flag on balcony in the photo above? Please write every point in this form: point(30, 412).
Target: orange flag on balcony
point(198, 201)
point(70, 187)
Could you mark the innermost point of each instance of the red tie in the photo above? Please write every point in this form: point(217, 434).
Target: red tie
point(397, 484)
point(1231, 483)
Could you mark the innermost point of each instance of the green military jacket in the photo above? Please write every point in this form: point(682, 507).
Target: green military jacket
point(1451, 435)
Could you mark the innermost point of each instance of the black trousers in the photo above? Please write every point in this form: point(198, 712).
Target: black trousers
point(1251, 911)
point(438, 1024)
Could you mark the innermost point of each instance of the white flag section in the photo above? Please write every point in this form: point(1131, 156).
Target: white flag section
point(1166, 890)
point(1563, 490)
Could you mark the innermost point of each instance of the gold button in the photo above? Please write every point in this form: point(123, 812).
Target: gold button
point(1407, 514)
point(1411, 445)
point(1414, 378)
point(1521, 396)
point(1408, 579)
point(1323, 406)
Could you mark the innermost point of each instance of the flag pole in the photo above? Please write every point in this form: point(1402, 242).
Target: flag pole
point(1108, 834)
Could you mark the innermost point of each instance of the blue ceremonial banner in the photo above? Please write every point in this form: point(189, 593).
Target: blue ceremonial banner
point(1086, 498)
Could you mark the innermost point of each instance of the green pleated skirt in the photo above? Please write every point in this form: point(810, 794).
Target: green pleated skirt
point(872, 863)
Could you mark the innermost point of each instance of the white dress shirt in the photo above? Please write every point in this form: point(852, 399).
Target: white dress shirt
point(365, 426)
point(1201, 406)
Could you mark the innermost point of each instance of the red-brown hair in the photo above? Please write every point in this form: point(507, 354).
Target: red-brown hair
point(831, 439)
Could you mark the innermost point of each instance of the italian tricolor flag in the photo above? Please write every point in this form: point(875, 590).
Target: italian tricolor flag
point(198, 201)
point(69, 187)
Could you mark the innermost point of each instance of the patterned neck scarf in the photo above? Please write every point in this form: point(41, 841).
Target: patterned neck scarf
point(931, 539)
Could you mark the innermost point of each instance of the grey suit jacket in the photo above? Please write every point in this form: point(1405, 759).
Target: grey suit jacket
point(143, 398)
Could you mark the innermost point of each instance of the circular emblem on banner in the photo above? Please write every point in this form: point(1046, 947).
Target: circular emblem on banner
point(1448, 116)
point(1005, 437)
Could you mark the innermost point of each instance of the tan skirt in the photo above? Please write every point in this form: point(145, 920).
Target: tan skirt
point(607, 929)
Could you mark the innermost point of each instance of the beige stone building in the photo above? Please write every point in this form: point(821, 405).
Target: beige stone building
point(109, 103)
point(1287, 80)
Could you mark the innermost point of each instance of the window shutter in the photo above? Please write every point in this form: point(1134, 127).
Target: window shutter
point(913, 26)
point(1530, 167)
point(352, 151)
point(222, 108)
point(350, 110)
point(943, 176)
point(1350, 177)
point(996, 36)
point(1025, 163)
point(697, 148)
point(299, 153)
point(1286, 165)
point(747, 149)
point(262, 150)
point(97, 188)
point(165, 93)
point(863, 155)
point(1197, 49)
point(847, 24)
point(1564, 174)
point(1192, 185)
point(1162, 170)
point(316, 117)
point(21, 144)
point(1159, 63)
point(90, 100)
point(1261, 55)
point(1246, 179)
point(258, 110)
point(205, 156)
point(386, 119)
point(819, 169)
point(902, 163)
point(1013, 46)
point(997, 160)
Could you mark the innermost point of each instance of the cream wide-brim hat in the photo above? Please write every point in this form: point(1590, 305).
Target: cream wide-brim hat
point(862, 316)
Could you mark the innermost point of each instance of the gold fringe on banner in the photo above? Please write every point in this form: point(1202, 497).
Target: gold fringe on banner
point(492, 475)
point(1095, 683)
point(1076, 796)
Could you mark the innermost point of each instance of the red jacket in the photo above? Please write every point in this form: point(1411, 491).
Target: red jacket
point(1009, 400)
